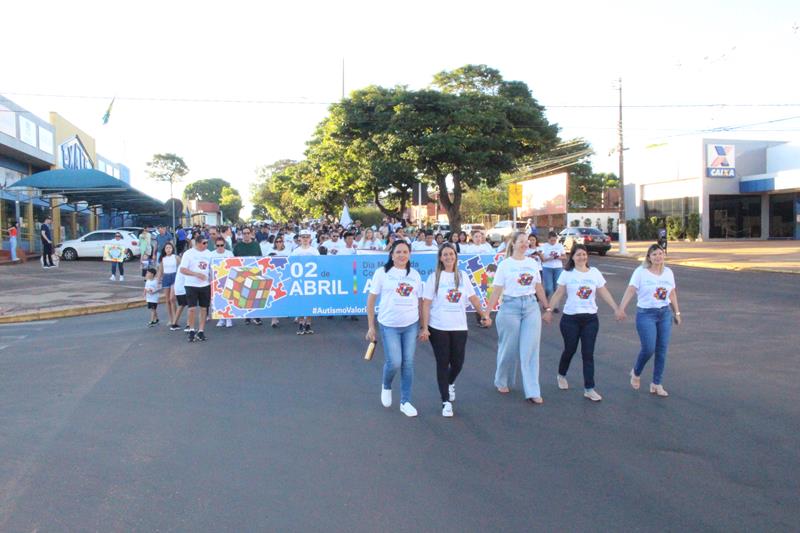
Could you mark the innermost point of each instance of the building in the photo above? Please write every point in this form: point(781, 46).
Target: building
point(27, 146)
point(741, 189)
point(201, 212)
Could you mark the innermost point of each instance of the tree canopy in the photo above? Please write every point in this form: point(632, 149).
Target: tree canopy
point(207, 190)
point(167, 167)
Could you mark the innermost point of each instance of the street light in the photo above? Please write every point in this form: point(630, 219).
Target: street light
point(623, 232)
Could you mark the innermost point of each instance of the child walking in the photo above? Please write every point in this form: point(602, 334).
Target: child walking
point(151, 295)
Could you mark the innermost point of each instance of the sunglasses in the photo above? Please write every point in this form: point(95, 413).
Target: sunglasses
point(276, 242)
point(203, 242)
point(220, 246)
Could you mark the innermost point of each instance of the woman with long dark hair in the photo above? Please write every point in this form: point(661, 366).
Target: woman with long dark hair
point(579, 323)
point(444, 320)
point(519, 324)
point(653, 283)
point(399, 288)
point(167, 270)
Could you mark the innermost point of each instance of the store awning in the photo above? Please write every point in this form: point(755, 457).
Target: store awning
point(95, 188)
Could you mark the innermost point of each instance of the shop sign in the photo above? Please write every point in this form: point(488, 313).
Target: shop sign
point(720, 161)
point(72, 155)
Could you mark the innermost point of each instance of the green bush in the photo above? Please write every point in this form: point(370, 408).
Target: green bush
point(693, 226)
point(632, 229)
point(369, 216)
point(675, 228)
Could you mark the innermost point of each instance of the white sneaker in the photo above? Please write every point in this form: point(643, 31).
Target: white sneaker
point(451, 392)
point(228, 323)
point(447, 409)
point(562, 382)
point(112, 278)
point(408, 409)
point(592, 395)
point(122, 278)
point(220, 322)
point(386, 397)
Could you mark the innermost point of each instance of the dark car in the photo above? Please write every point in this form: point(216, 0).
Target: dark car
point(594, 239)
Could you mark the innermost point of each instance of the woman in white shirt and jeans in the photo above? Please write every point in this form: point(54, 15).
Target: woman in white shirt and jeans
point(654, 286)
point(400, 288)
point(519, 324)
point(444, 320)
point(579, 322)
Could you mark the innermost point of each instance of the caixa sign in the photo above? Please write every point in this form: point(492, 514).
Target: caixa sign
point(73, 155)
point(720, 161)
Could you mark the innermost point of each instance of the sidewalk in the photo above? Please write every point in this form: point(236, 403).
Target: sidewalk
point(764, 256)
point(29, 292)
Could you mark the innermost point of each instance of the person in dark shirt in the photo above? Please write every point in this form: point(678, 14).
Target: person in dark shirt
point(244, 248)
point(47, 244)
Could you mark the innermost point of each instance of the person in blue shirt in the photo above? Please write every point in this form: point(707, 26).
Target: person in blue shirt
point(162, 239)
point(180, 235)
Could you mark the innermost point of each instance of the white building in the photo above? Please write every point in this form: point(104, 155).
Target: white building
point(742, 189)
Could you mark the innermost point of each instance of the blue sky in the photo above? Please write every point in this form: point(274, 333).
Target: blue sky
point(570, 54)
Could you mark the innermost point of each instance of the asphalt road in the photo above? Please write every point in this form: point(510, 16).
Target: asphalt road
point(106, 425)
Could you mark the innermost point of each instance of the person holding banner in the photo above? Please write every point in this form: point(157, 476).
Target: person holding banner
point(221, 252)
point(519, 319)
point(444, 320)
point(306, 249)
point(370, 242)
point(398, 287)
point(115, 264)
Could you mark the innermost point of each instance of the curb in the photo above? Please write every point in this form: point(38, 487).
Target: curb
point(66, 312)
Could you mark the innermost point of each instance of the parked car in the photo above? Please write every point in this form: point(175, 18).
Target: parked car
point(594, 239)
point(504, 229)
point(469, 228)
point(441, 227)
point(93, 243)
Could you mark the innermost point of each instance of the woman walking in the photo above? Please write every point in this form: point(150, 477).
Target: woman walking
point(167, 270)
point(221, 252)
point(553, 254)
point(444, 321)
point(579, 322)
point(13, 232)
point(653, 283)
point(399, 288)
point(519, 324)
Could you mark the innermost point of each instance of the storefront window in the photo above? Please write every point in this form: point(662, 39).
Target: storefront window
point(735, 216)
point(781, 216)
point(675, 207)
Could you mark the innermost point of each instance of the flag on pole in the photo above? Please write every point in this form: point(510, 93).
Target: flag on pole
point(108, 112)
point(345, 219)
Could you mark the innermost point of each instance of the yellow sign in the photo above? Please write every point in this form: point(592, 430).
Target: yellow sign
point(514, 195)
point(114, 253)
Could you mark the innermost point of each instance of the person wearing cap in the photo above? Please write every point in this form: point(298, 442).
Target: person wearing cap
point(305, 249)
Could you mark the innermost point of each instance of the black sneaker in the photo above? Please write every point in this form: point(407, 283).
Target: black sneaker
point(354, 318)
point(201, 336)
point(156, 321)
point(257, 321)
point(246, 321)
point(274, 324)
point(174, 327)
point(187, 329)
point(301, 330)
point(191, 335)
point(151, 323)
point(309, 331)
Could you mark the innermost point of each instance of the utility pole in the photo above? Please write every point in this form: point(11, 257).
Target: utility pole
point(623, 234)
point(342, 78)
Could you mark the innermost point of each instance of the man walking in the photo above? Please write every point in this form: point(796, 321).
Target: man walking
point(247, 247)
point(196, 269)
point(46, 235)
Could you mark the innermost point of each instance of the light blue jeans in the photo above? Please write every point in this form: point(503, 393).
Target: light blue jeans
point(654, 327)
point(13, 243)
point(399, 345)
point(519, 328)
point(549, 279)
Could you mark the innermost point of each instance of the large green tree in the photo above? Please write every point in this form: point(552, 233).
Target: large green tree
point(170, 168)
point(230, 203)
point(207, 190)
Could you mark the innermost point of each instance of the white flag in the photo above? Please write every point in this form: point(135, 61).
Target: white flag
point(345, 219)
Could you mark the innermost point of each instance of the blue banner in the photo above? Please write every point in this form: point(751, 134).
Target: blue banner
point(265, 287)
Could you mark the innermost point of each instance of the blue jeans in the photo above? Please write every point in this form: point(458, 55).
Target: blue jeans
point(13, 243)
point(519, 327)
point(399, 345)
point(654, 327)
point(114, 267)
point(549, 279)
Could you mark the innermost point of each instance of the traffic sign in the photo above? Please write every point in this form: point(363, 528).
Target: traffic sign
point(514, 195)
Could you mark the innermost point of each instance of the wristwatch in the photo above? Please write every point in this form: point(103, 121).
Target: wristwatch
point(548, 310)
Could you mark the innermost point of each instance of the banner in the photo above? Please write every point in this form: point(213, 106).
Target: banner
point(114, 253)
point(265, 287)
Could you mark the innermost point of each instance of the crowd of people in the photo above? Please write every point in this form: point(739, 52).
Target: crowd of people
point(531, 283)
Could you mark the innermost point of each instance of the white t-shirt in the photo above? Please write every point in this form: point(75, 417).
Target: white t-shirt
point(199, 262)
point(536, 258)
point(551, 253)
point(581, 289)
point(448, 307)
point(375, 244)
point(274, 252)
point(349, 251)
point(151, 285)
point(517, 277)
point(179, 287)
point(334, 248)
point(169, 264)
point(420, 246)
point(226, 253)
point(652, 291)
point(398, 294)
point(477, 249)
point(305, 251)
point(266, 247)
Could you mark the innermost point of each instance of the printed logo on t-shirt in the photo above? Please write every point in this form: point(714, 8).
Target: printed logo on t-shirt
point(660, 294)
point(525, 279)
point(333, 251)
point(454, 296)
point(202, 265)
point(404, 289)
point(584, 292)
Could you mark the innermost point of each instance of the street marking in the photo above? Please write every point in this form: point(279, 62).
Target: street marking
point(13, 337)
point(3, 346)
point(28, 324)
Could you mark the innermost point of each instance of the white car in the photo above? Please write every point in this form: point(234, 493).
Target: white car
point(92, 245)
point(505, 228)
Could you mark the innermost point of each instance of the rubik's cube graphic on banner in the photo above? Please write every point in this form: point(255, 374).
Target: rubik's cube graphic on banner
point(246, 288)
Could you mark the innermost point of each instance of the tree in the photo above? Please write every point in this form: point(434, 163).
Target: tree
point(207, 190)
point(230, 203)
point(170, 168)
